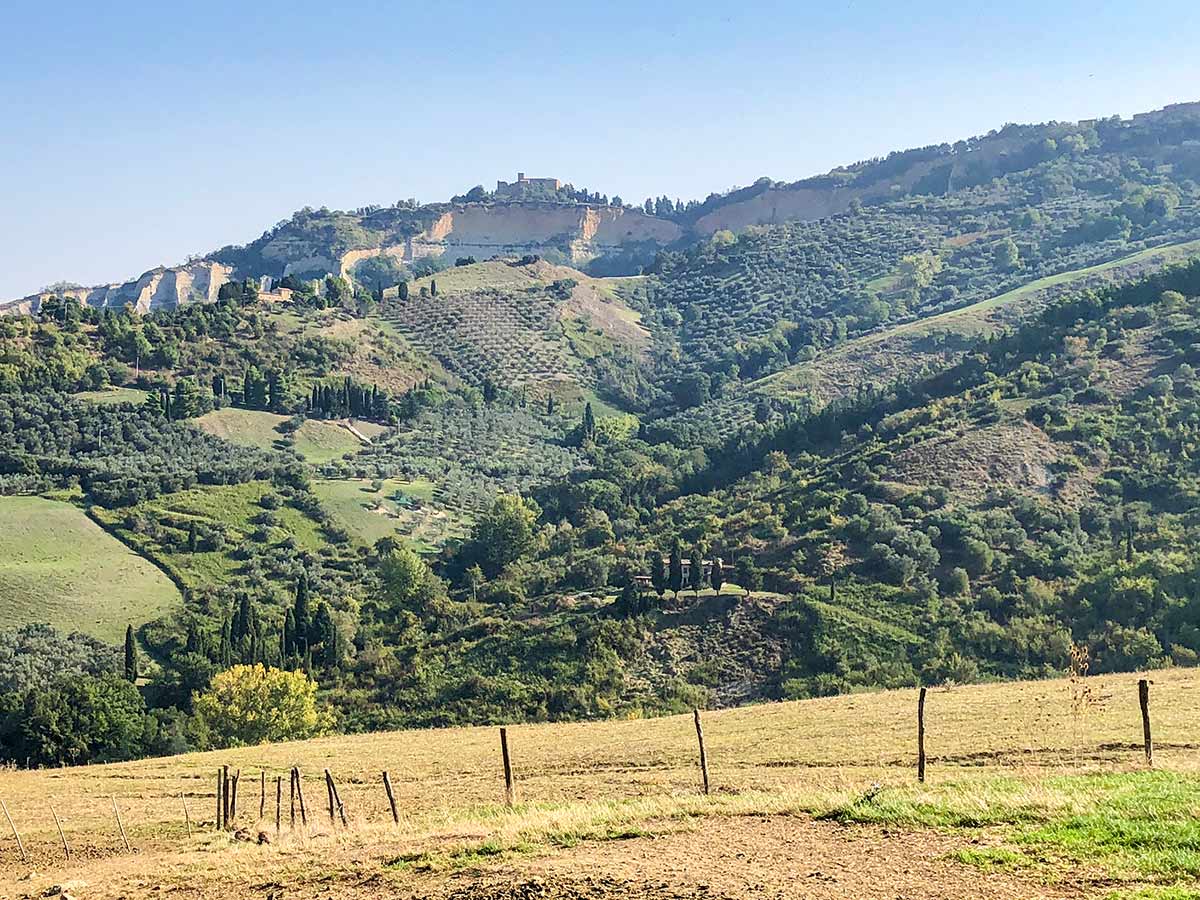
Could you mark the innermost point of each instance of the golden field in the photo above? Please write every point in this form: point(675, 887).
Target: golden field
point(580, 785)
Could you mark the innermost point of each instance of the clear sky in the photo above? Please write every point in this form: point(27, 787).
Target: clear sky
point(136, 133)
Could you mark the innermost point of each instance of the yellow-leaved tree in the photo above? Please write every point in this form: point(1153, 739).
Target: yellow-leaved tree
point(254, 704)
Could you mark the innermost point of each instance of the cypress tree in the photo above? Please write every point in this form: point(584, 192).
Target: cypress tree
point(589, 423)
point(287, 636)
point(696, 575)
point(402, 290)
point(225, 652)
point(432, 287)
point(658, 574)
point(675, 575)
point(717, 576)
point(131, 658)
point(301, 617)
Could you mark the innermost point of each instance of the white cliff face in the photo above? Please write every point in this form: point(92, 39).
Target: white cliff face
point(195, 282)
point(482, 230)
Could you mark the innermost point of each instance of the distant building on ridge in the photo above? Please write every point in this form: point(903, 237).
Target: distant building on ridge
point(523, 185)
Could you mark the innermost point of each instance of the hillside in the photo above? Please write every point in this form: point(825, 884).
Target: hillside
point(885, 447)
point(58, 567)
point(1032, 789)
point(1095, 171)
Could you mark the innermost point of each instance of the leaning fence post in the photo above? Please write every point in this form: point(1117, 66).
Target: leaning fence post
point(237, 776)
point(703, 753)
point(300, 797)
point(12, 825)
point(329, 792)
point(510, 791)
point(120, 824)
point(921, 736)
point(262, 793)
point(337, 799)
point(1144, 702)
point(61, 836)
point(224, 796)
point(387, 786)
point(293, 792)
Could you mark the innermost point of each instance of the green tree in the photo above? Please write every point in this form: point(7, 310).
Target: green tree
point(503, 534)
point(658, 574)
point(248, 705)
point(833, 559)
point(1006, 255)
point(675, 570)
point(696, 571)
point(131, 655)
point(588, 426)
point(717, 576)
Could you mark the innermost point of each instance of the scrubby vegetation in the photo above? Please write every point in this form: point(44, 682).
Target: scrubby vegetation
point(509, 491)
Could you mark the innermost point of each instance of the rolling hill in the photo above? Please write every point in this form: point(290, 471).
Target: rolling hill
point(935, 414)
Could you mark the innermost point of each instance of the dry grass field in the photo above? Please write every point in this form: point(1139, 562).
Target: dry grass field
point(1034, 789)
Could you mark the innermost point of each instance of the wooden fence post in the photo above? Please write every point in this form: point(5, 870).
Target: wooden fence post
point(278, 801)
point(703, 752)
point(337, 800)
point(510, 791)
point(16, 834)
point(921, 736)
point(262, 793)
point(224, 796)
point(387, 786)
point(300, 797)
point(293, 790)
point(187, 817)
point(237, 777)
point(1144, 702)
point(61, 836)
point(120, 824)
point(329, 792)
point(219, 795)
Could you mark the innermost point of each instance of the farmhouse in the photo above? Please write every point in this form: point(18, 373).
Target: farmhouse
point(645, 581)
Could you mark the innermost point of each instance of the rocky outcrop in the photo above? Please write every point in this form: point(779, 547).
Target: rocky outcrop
point(318, 244)
point(485, 230)
point(193, 282)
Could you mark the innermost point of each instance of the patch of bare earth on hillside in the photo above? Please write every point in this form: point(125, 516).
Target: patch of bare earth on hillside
point(749, 857)
point(1010, 454)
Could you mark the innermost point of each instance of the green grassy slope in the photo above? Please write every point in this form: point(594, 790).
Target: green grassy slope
point(398, 510)
point(315, 442)
point(58, 566)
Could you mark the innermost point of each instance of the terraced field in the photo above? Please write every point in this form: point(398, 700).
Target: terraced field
point(59, 567)
point(534, 326)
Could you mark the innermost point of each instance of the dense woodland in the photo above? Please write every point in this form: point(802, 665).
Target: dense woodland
point(977, 519)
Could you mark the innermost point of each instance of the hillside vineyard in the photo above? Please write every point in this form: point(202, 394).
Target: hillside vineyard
point(540, 454)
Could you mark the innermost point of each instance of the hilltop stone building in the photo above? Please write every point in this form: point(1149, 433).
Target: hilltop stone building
point(522, 185)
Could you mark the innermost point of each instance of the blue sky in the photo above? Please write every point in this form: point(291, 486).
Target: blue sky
point(137, 133)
